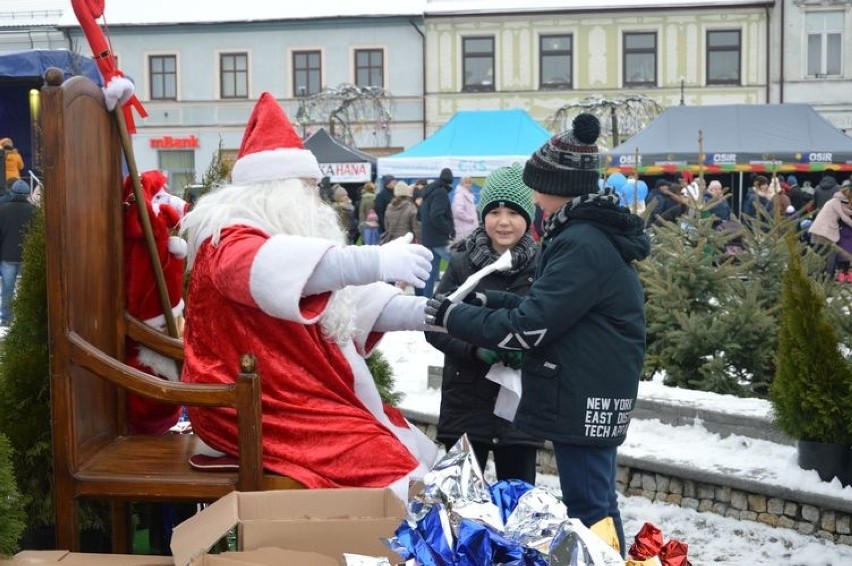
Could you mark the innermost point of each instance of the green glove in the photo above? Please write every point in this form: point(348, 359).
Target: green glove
point(490, 357)
point(511, 359)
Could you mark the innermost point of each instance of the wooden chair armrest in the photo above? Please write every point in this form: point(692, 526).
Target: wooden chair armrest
point(154, 339)
point(86, 355)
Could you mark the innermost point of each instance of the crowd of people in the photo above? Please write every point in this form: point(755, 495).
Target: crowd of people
point(16, 212)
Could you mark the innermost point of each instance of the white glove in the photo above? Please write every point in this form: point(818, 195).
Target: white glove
point(118, 91)
point(177, 247)
point(398, 260)
point(402, 312)
point(402, 261)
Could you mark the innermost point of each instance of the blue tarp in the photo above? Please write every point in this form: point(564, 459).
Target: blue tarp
point(32, 64)
point(473, 143)
point(23, 71)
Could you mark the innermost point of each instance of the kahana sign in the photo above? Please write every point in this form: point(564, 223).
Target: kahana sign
point(346, 172)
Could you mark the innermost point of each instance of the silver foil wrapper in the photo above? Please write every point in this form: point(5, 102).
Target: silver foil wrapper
point(361, 560)
point(575, 545)
point(536, 519)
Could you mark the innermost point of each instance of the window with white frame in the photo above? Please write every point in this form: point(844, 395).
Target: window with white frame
point(370, 67)
point(640, 59)
point(478, 64)
point(556, 58)
point(723, 57)
point(163, 77)
point(307, 72)
point(179, 167)
point(233, 75)
point(825, 43)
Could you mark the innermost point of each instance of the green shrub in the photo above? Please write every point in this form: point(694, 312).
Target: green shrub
point(812, 391)
point(25, 382)
point(12, 513)
point(382, 373)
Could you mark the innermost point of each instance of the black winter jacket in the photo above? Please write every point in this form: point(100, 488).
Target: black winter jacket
point(581, 326)
point(15, 217)
point(467, 397)
point(436, 216)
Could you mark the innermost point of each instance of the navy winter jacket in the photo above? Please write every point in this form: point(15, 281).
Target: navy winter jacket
point(581, 327)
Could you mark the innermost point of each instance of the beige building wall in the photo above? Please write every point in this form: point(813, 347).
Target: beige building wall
point(597, 59)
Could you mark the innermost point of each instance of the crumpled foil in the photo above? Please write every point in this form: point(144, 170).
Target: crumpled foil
point(361, 560)
point(575, 545)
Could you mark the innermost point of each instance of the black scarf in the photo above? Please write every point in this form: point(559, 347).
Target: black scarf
point(602, 209)
point(480, 252)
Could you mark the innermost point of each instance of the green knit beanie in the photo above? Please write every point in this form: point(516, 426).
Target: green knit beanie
point(505, 187)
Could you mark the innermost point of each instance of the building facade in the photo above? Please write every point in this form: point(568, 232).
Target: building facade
point(199, 66)
point(813, 57)
point(544, 60)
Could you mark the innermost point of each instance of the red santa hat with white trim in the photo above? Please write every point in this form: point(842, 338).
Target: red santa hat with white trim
point(271, 149)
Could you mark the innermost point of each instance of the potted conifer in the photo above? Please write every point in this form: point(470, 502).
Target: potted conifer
point(812, 392)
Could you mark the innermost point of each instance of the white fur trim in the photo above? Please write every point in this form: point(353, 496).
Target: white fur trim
point(177, 247)
point(117, 91)
point(159, 321)
point(274, 165)
point(159, 364)
point(420, 446)
point(279, 272)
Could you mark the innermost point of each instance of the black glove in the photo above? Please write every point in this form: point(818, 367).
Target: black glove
point(475, 299)
point(510, 359)
point(437, 309)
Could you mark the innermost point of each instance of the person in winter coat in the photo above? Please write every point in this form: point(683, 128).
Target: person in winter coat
point(369, 227)
point(824, 191)
point(401, 213)
point(467, 397)
point(662, 202)
point(825, 229)
point(465, 218)
point(14, 163)
point(436, 224)
point(16, 214)
point(581, 326)
point(382, 200)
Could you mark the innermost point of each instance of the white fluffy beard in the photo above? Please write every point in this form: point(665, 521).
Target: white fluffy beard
point(291, 207)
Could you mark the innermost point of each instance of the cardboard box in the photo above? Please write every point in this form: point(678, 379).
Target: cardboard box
point(329, 522)
point(65, 558)
point(266, 557)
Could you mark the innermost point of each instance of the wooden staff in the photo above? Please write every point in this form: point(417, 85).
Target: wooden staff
point(87, 13)
point(145, 221)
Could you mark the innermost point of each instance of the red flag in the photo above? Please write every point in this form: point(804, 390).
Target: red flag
point(87, 12)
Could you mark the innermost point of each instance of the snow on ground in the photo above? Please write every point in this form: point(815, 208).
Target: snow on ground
point(712, 539)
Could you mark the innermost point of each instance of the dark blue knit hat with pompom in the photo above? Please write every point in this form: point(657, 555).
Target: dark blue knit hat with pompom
point(568, 164)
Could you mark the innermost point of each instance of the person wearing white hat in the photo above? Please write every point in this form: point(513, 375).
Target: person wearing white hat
point(271, 274)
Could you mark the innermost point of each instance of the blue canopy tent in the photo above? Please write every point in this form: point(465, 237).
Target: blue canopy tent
point(473, 143)
point(23, 71)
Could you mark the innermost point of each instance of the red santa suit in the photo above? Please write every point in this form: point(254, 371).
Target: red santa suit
point(323, 421)
point(146, 416)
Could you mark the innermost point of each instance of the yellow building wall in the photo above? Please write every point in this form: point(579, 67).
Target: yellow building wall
point(597, 60)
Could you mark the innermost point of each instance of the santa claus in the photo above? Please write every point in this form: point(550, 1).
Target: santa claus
point(271, 275)
point(165, 210)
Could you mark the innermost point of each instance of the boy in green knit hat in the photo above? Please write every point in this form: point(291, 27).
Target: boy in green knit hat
point(467, 397)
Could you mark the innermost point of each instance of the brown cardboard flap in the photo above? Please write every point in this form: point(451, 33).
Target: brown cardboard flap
point(197, 534)
point(265, 557)
point(65, 558)
point(331, 537)
point(373, 513)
